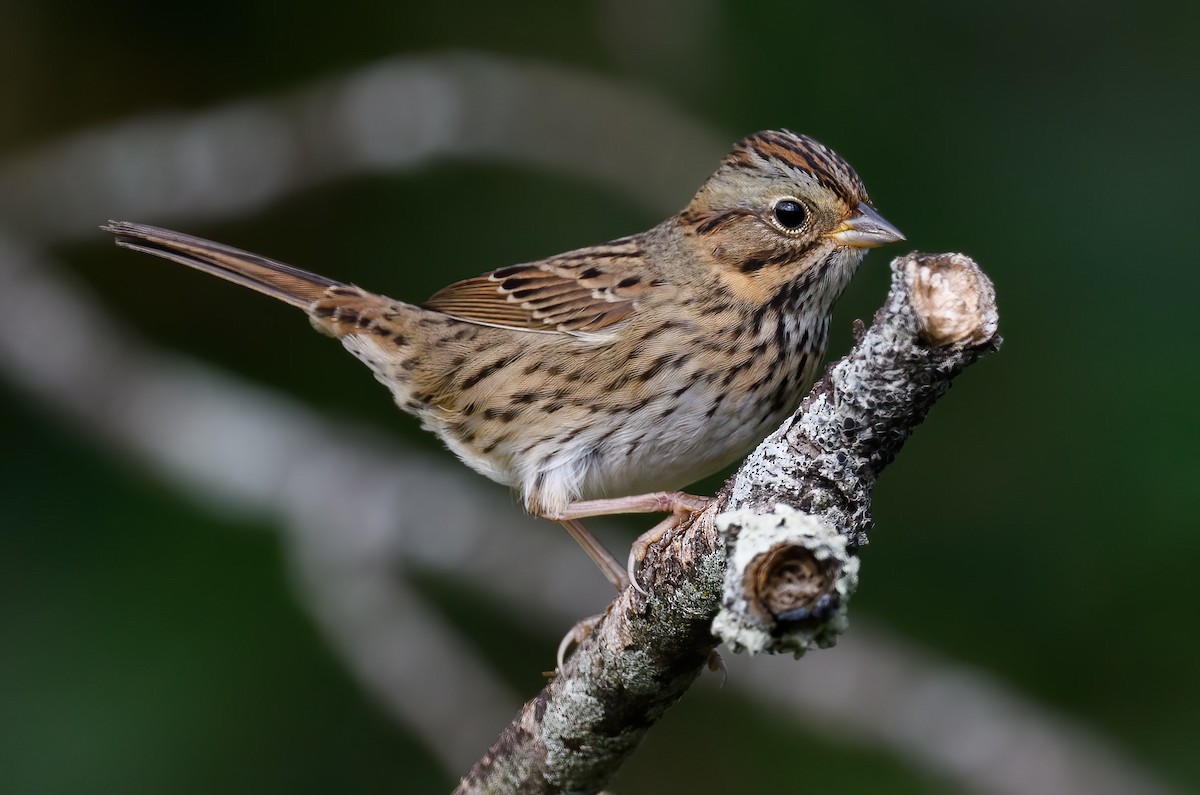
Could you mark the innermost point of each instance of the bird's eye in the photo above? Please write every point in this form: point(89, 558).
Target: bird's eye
point(790, 214)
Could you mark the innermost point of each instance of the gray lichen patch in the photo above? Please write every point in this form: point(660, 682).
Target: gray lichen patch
point(571, 747)
point(788, 579)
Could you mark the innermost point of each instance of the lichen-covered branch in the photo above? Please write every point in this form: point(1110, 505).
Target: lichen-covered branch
point(645, 651)
point(807, 487)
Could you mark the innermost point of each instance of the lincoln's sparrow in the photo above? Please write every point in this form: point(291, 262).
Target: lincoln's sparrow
point(637, 365)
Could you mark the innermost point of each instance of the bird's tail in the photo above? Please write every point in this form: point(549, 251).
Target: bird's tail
point(290, 285)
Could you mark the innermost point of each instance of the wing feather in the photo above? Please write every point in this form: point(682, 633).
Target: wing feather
point(583, 291)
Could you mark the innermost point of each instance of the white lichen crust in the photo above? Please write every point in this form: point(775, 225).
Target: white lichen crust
point(746, 626)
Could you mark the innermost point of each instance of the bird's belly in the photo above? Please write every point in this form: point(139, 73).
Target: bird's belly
point(624, 436)
point(665, 455)
point(573, 457)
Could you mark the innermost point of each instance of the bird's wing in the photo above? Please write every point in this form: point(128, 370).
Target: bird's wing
point(587, 290)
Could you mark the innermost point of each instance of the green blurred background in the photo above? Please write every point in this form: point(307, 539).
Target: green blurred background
point(1040, 526)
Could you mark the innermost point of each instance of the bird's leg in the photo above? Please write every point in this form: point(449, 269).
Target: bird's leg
point(609, 567)
point(679, 504)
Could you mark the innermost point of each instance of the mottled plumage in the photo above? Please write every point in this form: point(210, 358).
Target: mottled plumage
point(632, 367)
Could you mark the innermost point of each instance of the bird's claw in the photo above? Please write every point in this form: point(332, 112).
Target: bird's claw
point(681, 506)
point(576, 635)
point(716, 664)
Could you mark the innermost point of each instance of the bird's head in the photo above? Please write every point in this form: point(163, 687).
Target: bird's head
point(780, 208)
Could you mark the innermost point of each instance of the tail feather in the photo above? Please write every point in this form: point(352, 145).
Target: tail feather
point(290, 285)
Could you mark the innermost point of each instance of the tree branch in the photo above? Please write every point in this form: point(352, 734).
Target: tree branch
point(800, 504)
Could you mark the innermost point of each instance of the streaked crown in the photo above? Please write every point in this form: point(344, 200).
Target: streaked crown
point(794, 155)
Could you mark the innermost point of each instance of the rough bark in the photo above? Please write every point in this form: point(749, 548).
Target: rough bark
point(788, 523)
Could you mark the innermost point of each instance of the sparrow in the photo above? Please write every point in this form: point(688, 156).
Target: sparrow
point(605, 379)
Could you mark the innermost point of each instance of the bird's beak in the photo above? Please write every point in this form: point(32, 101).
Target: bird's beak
point(866, 229)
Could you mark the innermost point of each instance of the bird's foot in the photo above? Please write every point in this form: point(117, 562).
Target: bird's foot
point(576, 635)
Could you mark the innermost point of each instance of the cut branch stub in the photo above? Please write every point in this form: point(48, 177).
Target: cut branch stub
point(792, 585)
point(787, 581)
point(953, 302)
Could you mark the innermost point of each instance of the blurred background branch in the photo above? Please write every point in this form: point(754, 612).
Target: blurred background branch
point(397, 115)
point(423, 579)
